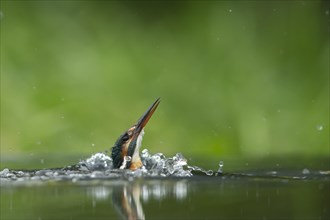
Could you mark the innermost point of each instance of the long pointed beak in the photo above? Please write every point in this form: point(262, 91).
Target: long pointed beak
point(146, 116)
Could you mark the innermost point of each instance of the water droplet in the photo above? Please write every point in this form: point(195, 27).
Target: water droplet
point(305, 171)
point(230, 11)
point(145, 153)
point(319, 127)
point(326, 12)
point(42, 161)
point(209, 173)
point(220, 167)
point(38, 142)
point(93, 145)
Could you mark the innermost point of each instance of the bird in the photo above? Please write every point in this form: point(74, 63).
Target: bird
point(125, 152)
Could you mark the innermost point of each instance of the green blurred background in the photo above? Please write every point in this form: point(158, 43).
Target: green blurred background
point(244, 79)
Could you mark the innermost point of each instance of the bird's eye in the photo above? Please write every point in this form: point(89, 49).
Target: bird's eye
point(125, 137)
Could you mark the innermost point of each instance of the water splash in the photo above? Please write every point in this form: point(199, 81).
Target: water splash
point(100, 166)
point(159, 165)
point(98, 161)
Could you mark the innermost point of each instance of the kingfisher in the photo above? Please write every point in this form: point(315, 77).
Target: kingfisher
point(125, 153)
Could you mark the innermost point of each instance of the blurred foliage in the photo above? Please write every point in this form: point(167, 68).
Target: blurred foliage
point(243, 78)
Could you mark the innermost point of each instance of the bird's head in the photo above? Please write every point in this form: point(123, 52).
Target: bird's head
point(129, 143)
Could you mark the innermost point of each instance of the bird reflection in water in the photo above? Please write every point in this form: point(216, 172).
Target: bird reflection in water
point(128, 197)
point(126, 200)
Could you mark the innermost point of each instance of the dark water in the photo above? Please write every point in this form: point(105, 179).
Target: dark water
point(197, 197)
point(167, 188)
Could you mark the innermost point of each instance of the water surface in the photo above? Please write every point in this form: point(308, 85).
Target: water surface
point(159, 192)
